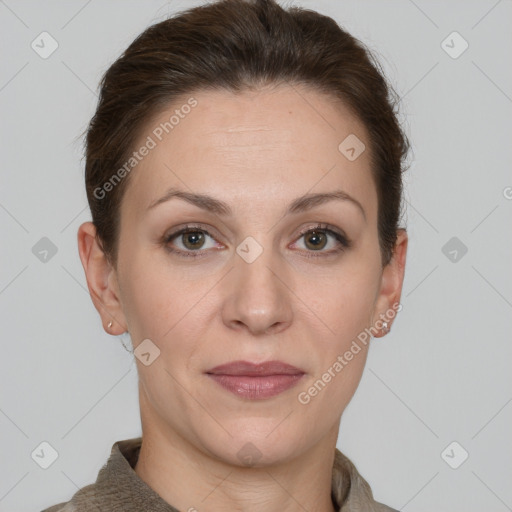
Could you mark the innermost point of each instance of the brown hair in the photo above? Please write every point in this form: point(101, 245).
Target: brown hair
point(238, 45)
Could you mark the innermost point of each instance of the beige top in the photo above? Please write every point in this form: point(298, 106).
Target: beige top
point(119, 488)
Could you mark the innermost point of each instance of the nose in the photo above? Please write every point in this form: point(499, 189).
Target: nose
point(257, 297)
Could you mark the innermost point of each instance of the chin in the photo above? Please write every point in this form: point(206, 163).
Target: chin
point(256, 448)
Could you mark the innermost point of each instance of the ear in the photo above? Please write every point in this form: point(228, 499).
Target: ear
point(388, 299)
point(101, 280)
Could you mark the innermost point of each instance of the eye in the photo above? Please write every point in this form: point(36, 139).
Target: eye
point(317, 238)
point(192, 241)
point(189, 240)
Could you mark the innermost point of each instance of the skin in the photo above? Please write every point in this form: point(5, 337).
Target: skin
point(256, 151)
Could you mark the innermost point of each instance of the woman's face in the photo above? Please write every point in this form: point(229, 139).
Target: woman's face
point(244, 284)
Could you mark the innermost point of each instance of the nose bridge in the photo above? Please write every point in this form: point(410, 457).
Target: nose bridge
point(259, 299)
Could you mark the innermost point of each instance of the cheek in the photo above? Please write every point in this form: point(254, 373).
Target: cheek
point(163, 307)
point(344, 353)
point(341, 361)
point(345, 306)
point(344, 301)
point(156, 300)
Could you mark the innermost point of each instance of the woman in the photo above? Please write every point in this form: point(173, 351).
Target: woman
point(243, 170)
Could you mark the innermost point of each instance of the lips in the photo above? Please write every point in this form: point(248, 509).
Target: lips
point(256, 369)
point(256, 381)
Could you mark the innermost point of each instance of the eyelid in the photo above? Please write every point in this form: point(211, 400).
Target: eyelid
point(187, 227)
point(321, 226)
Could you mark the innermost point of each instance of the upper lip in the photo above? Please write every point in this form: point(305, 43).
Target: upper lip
point(258, 369)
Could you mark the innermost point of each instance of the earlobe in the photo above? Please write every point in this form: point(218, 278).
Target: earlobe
point(387, 304)
point(100, 278)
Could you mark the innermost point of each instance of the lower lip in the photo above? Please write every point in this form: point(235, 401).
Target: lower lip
point(256, 388)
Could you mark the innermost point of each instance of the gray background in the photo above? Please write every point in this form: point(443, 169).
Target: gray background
point(442, 374)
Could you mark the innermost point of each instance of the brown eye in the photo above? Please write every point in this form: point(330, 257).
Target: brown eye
point(315, 240)
point(193, 239)
point(190, 241)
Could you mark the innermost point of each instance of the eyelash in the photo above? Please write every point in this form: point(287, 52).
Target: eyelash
point(344, 242)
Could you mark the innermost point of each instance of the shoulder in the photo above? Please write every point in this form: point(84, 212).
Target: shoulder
point(351, 489)
point(115, 486)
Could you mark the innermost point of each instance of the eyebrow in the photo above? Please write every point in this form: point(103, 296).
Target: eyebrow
point(301, 204)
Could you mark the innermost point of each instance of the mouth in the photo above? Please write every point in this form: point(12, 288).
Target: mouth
point(256, 381)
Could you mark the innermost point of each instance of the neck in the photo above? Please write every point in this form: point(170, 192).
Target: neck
point(191, 480)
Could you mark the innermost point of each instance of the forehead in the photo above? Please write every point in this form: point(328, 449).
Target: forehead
point(266, 146)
